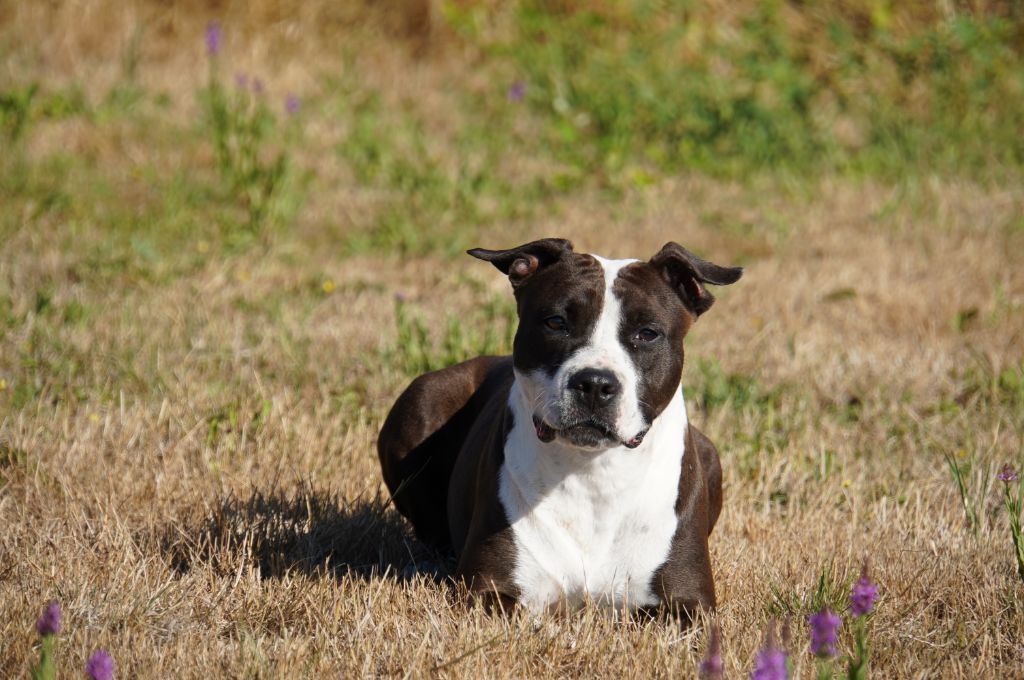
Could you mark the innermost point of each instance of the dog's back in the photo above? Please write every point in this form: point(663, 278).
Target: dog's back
point(424, 432)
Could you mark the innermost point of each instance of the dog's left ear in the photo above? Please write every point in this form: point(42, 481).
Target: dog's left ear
point(688, 273)
point(523, 261)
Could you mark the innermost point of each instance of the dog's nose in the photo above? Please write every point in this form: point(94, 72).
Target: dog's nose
point(595, 387)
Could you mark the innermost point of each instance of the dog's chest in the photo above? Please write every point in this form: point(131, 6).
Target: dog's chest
point(590, 527)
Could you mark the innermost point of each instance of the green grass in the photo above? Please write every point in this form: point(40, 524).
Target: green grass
point(830, 591)
point(676, 87)
point(392, 152)
point(615, 98)
point(417, 349)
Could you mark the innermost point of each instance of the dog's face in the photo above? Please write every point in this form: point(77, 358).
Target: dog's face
point(599, 348)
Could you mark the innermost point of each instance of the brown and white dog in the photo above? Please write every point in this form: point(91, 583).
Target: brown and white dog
point(569, 472)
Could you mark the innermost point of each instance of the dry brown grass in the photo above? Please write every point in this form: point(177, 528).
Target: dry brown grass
point(266, 549)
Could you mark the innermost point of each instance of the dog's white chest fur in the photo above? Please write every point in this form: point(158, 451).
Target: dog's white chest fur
point(590, 525)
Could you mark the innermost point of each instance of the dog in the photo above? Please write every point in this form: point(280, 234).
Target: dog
point(569, 472)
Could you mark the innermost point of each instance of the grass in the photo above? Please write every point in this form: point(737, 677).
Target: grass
point(626, 87)
point(191, 385)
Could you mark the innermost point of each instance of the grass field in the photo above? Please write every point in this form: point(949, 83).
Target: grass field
point(210, 296)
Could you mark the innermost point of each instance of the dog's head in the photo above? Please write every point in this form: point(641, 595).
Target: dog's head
point(599, 348)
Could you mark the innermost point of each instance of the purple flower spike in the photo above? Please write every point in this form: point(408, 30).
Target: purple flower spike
point(824, 633)
point(242, 81)
point(770, 663)
point(864, 594)
point(1008, 474)
point(257, 86)
point(711, 668)
point(292, 105)
point(49, 622)
point(100, 666)
point(213, 38)
point(517, 91)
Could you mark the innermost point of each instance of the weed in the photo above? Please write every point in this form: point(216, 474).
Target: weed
point(15, 110)
point(958, 476)
point(772, 661)
point(715, 388)
point(829, 593)
point(21, 106)
point(99, 667)
point(862, 602)
point(12, 461)
point(48, 626)
point(1012, 501)
point(236, 422)
point(424, 207)
point(431, 205)
point(993, 386)
point(416, 350)
point(243, 128)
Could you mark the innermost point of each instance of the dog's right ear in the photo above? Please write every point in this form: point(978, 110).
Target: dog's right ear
point(688, 273)
point(522, 261)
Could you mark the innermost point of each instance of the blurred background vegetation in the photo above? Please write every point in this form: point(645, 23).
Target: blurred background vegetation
point(423, 122)
point(874, 87)
point(227, 241)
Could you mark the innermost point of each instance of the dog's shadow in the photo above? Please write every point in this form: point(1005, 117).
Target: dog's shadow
point(310, 532)
point(316, 534)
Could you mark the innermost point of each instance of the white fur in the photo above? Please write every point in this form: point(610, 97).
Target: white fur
point(591, 525)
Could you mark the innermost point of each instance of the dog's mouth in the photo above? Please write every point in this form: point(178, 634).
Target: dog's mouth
point(545, 432)
point(585, 433)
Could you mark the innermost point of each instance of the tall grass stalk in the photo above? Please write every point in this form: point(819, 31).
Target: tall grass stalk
point(961, 485)
point(1012, 503)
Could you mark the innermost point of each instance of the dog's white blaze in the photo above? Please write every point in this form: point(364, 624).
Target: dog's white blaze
point(590, 525)
point(605, 350)
point(602, 350)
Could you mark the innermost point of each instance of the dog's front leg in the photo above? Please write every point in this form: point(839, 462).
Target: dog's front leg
point(684, 583)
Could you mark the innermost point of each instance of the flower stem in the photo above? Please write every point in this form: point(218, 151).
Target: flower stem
point(46, 669)
point(858, 669)
point(1013, 510)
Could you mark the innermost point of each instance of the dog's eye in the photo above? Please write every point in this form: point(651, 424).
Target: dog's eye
point(555, 323)
point(647, 335)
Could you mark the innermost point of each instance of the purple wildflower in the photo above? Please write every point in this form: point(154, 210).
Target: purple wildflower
point(1008, 474)
point(864, 594)
point(291, 104)
point(517, 91)
point(770, 662)
point(213, 38)
point(711, 668)
point(242, 81)
point(257, 86)
point(100, 666)
point(49, 622)
point(824, 633)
